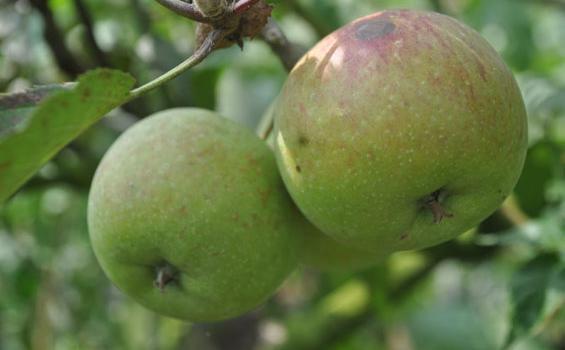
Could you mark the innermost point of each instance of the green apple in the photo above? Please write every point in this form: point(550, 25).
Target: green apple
point(188, 215)
point(399, 131)
point(318, 250)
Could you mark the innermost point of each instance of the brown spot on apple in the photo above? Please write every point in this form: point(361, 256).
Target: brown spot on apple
point(302, 108)
point(86, 94)
point(183, 210)
point(264, 195)
point(303, 140)
point(5, 165)
point(374, 28)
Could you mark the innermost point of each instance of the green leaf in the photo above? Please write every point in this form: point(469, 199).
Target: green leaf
point(558, 279)
point(38, 133)
point(449, 326)
point(15, 109)
point(537, 173)
point(528, 290)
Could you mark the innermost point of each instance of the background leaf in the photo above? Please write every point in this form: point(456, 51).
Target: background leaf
point(529, 287)
point(57, 121)
point(15, 109)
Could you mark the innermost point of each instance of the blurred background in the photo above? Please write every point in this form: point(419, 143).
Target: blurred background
point(501, 284)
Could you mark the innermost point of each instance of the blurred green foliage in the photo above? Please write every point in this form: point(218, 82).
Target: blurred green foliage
point(501, 284)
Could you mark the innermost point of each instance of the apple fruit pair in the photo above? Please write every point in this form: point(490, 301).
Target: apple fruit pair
point(398, 131)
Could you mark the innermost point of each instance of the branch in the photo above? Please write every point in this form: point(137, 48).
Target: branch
point(185, 9)
point(213, 9)
point(54, 38)
point(32, 96)
point(225, 27)
point(86, 19)
point(288, 53)
point(198, 56)
point(214, 14)
point(243, 5)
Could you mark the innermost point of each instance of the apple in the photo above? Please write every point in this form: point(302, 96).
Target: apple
point(400, 130)
point(188, 215)
point(316, 249)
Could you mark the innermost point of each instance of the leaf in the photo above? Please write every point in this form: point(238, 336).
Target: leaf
point(15, 109)
point(449, 326)
point(537, 173)
point(558, 279)
point(38, 133)
point(528, 291)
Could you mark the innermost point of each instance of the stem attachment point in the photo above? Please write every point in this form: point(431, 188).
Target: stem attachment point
point(433, 202)
point(165, 275)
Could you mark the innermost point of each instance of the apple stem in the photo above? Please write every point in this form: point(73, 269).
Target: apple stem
point(198, 56)
point(165, 275)
point(432, 202)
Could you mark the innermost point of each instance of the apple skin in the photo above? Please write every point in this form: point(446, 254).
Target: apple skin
point(316, 249)
point(189, 191)
point(390, 111)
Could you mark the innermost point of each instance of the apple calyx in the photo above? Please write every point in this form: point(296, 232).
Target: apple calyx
point(432, 202)
point(165, 275)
